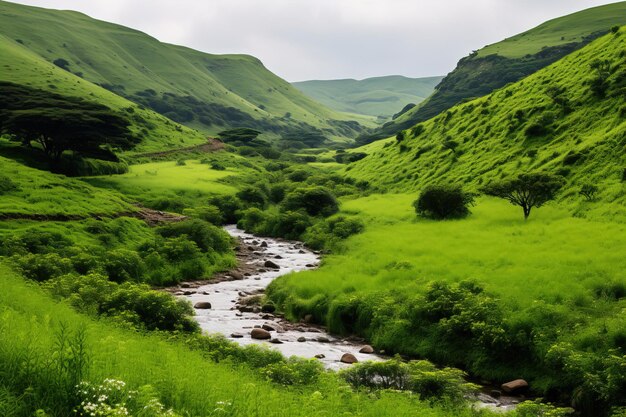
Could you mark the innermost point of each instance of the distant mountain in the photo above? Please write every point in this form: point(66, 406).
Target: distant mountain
point(568, 119)
point(508, 61)
point(203, 91)
point(379, 96)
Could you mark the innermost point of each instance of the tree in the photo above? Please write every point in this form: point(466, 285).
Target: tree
point(527, 190)
point(443, 202)
point(242, 134)
point(60, 123)
point(314, 200)
point(589, 191)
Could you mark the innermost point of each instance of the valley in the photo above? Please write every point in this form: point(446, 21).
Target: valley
point(188, 234)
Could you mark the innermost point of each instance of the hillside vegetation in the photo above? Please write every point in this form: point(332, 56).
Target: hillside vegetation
point(568, 119)
point(216, 91)
point(379, 96)
point(494, 66)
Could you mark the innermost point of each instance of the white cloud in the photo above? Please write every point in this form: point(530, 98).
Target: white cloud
point(306, 39)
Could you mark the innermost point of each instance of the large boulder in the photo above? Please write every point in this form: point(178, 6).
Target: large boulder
point(260, 334)
point(349, 358)
point(367, 349)
point(270, 264)
point(515, 386)
point(202, 305)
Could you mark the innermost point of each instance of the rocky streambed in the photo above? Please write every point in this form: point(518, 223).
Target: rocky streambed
point(229, 304)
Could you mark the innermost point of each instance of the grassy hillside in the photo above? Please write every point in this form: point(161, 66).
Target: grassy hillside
point(550, 121)
point(41, 338)
point(508, 61)
point(379, 96)
point(211, 92)
point(22, 66)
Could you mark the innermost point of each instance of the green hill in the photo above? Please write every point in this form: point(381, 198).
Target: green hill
point(553, 120)
point(205, 91)
point(380, 96)
point(496, 65)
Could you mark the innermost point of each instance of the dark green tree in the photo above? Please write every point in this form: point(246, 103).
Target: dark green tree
point(59, 123)
point(443, 202)
point(527, 190)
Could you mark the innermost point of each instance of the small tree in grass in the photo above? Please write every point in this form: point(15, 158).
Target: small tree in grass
point(443, 202)
point(589, 191)
point(527, 190)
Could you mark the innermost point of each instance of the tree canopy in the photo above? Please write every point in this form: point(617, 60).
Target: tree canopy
point(443, 202)
point(60, 123)
point(527, 190)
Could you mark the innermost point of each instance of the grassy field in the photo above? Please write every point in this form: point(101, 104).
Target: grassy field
point(33, 373)
point(553, 279)
point(35, 192)
point(380, 96)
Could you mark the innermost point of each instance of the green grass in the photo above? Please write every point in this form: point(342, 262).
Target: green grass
point(129, 62)
point(23, 66)
point(380, 96)
point(182, 379)
point(545, 275)
point(563, 30)
point(584, 143)
point(45, 194)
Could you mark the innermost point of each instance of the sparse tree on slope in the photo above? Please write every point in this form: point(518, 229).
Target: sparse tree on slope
point(527, 190)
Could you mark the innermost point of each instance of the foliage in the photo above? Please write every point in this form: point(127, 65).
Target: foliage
point(443, 202)
point(316, 201)
point(589, 191)
point(421, 377)
point(527, 190)
point(207, 237)
point(59, 123)
point(294, 371)
point(243, 135)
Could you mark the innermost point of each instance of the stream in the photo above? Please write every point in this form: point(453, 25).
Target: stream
point(230, 315)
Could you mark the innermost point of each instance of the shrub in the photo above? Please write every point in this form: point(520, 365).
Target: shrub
point(43, 267)
point(181, 163)
point(589, 191)
point(400, 136)
point(443, 202)
point(217, 166)
point(253, 196)
point(229, 206)
point(294, 371)
point(208, 213)
point(7, 185)
point(123, 265)
point(205, 235)
point(316, 201)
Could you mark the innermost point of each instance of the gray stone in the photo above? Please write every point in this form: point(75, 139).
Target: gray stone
point(202, 305)
point(260, 334)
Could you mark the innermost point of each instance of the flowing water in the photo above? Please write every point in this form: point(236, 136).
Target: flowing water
point(301, 339)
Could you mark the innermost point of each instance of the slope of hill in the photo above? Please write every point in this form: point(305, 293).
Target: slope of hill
point(210, 92)
point(496, 65)
point(22, 66)
point(568, 119)
point(378, 96)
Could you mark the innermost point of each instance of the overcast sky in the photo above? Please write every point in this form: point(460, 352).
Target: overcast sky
point(328, 39)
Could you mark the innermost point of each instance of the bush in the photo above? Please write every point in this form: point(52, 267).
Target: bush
point(294, 371)
point(123, 265)
point(253, 196)
point(589, 191)
point(205, 235)
point(7, 185)
point(316, 201)
point(208, 213)
point(43, 267)
point(181, 163)
point(443, 202)
point(229, 206)
point(421, 377)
